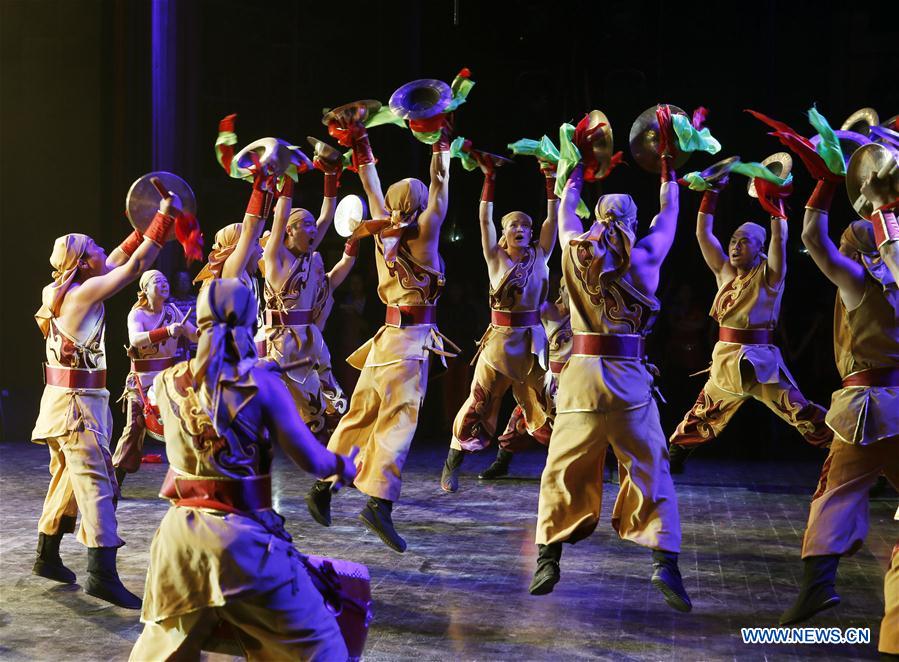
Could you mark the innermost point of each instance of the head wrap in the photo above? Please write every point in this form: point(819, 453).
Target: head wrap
point(511, 216)
point(224, 245)
point(614, 234)
point(860, 236)
point(299, 215)
point(222, 368)
point(404, 201)
point(67, 251)
point(143, 300)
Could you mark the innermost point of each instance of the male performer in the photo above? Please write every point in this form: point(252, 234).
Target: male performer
point(221, 552)
point(384, 407)
point(606, 392)
point(864, 413)
point(745, 361)
point(74, 419)
point(154, 326)
point(556, 321)
point(297, 291)
point(513, 351)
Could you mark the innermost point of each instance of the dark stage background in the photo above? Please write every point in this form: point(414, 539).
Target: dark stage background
point(78, 120)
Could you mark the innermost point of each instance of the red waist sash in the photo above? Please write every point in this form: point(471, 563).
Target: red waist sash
point(515, 318)
point(228, 495)
point(555, 367)
point(873, 377)
point(152, 365)
point(609, 345)
point(411, 315)
point(746, 336)
point(289, 318)
point(74, 377)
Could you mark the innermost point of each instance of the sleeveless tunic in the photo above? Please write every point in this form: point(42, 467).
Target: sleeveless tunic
point(165, 349)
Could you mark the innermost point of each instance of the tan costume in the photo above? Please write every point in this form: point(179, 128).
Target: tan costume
point(606, 398)
point(864, 416)
point(746, 364)
point(334, 398)
point(383, 413)
point(74, 419)
point(146, 363)
point(221, 552)
point(512, 352)
point(889, 626)
point(291, 334)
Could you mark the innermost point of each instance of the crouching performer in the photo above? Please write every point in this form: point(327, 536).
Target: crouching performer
point(221, 552)
point(74, 420)
point(513, 351)
point(154, 326)
point(606, 391)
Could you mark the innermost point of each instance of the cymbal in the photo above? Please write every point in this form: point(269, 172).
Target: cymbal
point(867, 159)
point(861, 121)
point(274, 154)
point(142, 201)
point(495, 158)
point(720, 169)
point(849, 141)
point(601, 141)
point(324, 151)
point(357, 111)
point(885, 136)
point(420, 99)
point(348, 215)
point(644, 141)
point(779, 163)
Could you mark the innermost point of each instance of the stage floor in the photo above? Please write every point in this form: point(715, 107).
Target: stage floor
point(460, 590)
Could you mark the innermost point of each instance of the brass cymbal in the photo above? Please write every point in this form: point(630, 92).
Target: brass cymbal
point(869, 159)
point(355, 111)
point(324, 151)
point(720, 169)
point(274, 154)
point(779, 163)
point(142, 201)
point(420, 99)
point(861, 121)
point(644, 141)
point(601, 141)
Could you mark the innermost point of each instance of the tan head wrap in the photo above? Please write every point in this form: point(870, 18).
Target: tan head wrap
point(299, 215)
point(613, 231)
point(512, 216)
point(67, 251)
point(143, 300)
point(860, 236)
point(224, 245)
point(226, 313)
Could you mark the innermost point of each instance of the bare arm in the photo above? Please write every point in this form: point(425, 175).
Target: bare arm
point(117, 258)
point(368, 175)
point(657, 242)
point(488, 230)
point(431, 219)
point(325, 218)
point(549, 229)
point(570, 225)
point(341, 270)
point(272, 254)
point(100, 288)
point(847, 274)
point(712, 253)
point(292, 434)
point(777, 252)
point(236, 263)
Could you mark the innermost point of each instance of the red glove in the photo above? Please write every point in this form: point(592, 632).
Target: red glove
point(668, 174)
point(446, 135)
point(549, 173)
point(488, 187)
point(286, 190)
point(261, 198)
point(709, 202)
point(332, 183)
point(159, 228)
point(822, 197)
point(351, 247)
point(131, 244)
point(886, 227)
point(160, 334)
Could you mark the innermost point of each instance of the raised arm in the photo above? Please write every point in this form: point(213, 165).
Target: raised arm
point(570, 225)
point(844, 272)
point(273, 253)
point(550, 227)
point(431, 219)
point(292, 434)
point(657, 242)
point(883, 192)
point(325, 218)
point(777, 252)
point(253, 221)
point(709, 246)
point(485, 214)
point(344, 265)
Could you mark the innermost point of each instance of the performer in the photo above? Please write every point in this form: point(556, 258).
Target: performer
point(745, 361)
point(74, 420)
point(864, 413)
point(556, 321)
point(297, 294)
point(221, 552)
point(384, 408)
point(154, 327)
point(605, 390)
point(513, 350)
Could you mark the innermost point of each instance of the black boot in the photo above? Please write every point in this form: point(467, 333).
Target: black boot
point(103, 579)
point(48, 563)
point(120, 476)
point(318, 501)
point(818, 591)
point(377, 516)
point(449, 479)
point(666, 577)
point(677, 457)
point(548, 573)
point(500, 466)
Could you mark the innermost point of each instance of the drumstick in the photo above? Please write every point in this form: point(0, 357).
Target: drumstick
point(160, 187)
point(186, 315)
